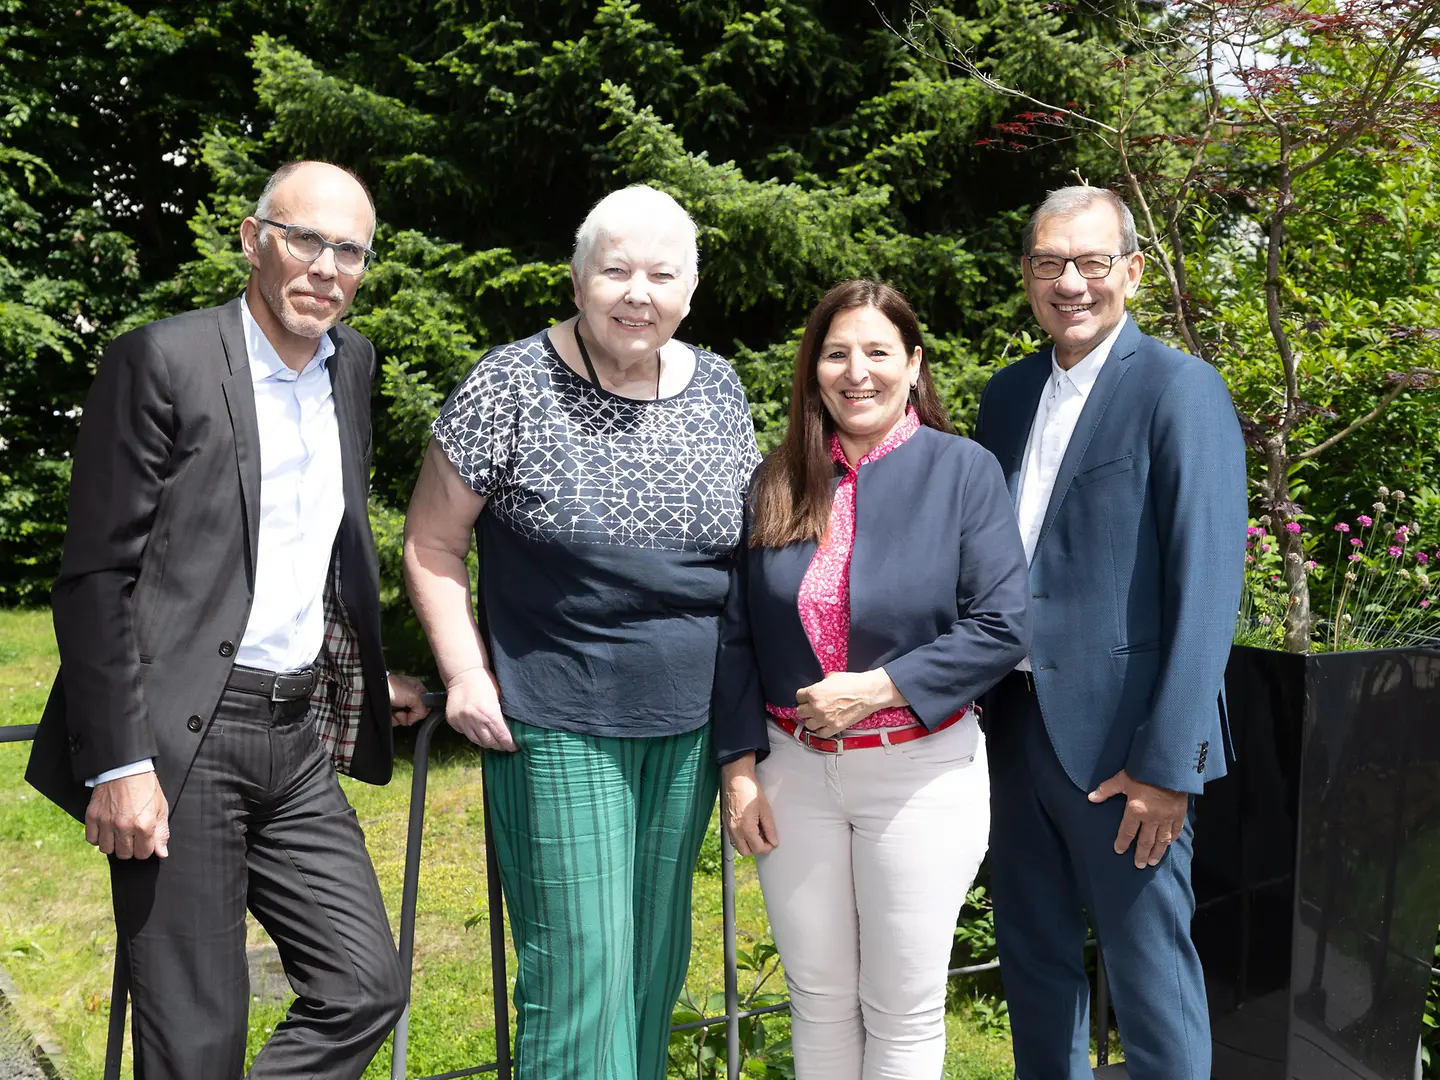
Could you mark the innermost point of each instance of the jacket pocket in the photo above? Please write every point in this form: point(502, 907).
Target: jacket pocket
point(1135, 647)
point(1107, 468)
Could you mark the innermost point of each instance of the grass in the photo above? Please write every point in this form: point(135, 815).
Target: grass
point(57, 937)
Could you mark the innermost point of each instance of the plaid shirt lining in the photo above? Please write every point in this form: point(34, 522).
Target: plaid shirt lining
point(337, 705)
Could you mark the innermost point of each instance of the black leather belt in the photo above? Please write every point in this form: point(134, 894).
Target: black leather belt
point(275, 685)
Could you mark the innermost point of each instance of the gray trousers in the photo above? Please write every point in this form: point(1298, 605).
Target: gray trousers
point(261, 824)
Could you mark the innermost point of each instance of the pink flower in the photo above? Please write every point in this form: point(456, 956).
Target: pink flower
point(1365, 521)
point(1396, 550)
point(1355, 557)
point(1401, 533)
point(1342, 527)
point(1424, 603)
point(1356, 542)
point(1264, 547)
point(1310, 564)
point(1249, 558)
point(1254, 530)
point(1292, 527)
point(1421, 558)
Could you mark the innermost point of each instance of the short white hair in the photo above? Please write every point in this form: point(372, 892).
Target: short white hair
point(636, 201)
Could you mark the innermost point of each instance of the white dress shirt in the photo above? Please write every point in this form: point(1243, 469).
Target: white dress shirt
point(301, 504)
point(1059, 411)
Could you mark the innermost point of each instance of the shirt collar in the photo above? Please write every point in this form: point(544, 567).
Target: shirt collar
point(264, 361)
point(1083, 375)
point(898, 434)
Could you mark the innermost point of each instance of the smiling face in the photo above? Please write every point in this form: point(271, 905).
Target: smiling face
point(307, 299)
point(865, 374)
point(1078, 313)
point(634, 289)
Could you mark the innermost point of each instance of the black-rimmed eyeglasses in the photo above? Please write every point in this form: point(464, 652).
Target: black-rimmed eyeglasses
point(306, 245)
point(1050, 267)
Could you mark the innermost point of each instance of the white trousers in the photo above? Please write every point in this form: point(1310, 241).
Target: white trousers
point(877, 850)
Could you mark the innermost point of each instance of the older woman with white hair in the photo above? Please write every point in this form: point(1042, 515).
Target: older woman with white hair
point(602, 466)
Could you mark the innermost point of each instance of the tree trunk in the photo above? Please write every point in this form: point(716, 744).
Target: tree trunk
point(1281, 508)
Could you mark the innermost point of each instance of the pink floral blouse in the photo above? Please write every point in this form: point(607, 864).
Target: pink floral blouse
point(825, 590)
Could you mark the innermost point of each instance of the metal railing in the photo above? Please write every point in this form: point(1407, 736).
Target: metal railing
point(495, 901)
point(500, 986)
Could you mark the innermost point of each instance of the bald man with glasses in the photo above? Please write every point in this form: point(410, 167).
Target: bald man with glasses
point(218, 618)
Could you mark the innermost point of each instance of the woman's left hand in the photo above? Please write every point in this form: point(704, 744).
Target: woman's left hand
point(844, 698)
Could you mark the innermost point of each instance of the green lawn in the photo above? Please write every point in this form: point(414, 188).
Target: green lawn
point(56, 937)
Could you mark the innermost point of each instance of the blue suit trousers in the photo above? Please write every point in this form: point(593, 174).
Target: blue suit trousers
point(1052, 860)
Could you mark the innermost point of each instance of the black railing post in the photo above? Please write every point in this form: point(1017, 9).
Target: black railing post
point(400, 1048)
point(499, 983)
point(119, 996)
point(732, 993)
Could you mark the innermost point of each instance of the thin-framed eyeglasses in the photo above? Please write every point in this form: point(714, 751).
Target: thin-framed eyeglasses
point(306, 245)
point(1049, 267)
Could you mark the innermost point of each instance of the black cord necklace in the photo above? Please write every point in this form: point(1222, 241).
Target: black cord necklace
point(595, 375)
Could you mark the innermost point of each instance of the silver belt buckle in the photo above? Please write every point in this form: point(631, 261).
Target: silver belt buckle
point(289, 680)
point(807, 737)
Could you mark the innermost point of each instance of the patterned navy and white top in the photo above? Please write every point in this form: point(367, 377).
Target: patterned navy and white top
point(606, 537)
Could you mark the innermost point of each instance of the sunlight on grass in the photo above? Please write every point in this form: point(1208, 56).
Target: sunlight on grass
point(57, 939)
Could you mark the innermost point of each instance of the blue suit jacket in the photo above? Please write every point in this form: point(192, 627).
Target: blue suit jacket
point(1136, 577)
point(937, 594)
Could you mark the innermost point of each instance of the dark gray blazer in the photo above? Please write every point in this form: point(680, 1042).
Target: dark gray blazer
point(1135, 581)
point(937, 594)
point(158, 570)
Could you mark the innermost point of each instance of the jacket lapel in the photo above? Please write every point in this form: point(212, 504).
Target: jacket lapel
point(1116, 365)
point(352, 459)
point(240, 400)
point(1033, 372)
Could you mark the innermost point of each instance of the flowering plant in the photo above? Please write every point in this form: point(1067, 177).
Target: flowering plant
point(1381, 592)
point(1264, 600)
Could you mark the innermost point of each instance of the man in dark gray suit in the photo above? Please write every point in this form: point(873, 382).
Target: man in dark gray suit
point(217, 613)
point(1127, 467)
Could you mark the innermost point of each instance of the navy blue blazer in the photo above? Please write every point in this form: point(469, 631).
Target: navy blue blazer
point(937, 594)
point(1135, 581)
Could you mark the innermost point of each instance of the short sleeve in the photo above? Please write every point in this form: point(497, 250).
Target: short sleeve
point(741, 427)
point(476, 427)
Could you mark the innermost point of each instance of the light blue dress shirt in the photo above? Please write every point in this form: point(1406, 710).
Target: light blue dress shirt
point(301, 503)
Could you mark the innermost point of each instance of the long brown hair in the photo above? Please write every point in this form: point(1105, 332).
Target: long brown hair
point(791, 496)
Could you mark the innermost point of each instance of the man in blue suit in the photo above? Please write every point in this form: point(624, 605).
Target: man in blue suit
point(1127, 467)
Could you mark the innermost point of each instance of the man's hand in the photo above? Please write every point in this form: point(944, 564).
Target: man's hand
point(844, 698)
point(1154, 817)
point(406, 708)
point(129, 818)
point(472, 708)
point(748, 819)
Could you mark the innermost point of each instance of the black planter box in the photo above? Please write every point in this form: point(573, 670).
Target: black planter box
point(1317, 865)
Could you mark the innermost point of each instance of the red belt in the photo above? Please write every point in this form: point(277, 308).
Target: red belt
point(805, 737)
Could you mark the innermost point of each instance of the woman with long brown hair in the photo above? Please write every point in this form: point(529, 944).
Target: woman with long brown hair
point(879, 591)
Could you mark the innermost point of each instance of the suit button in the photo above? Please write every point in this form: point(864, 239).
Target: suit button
point(227, 648)
point(75, 744)
point(195, 723)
